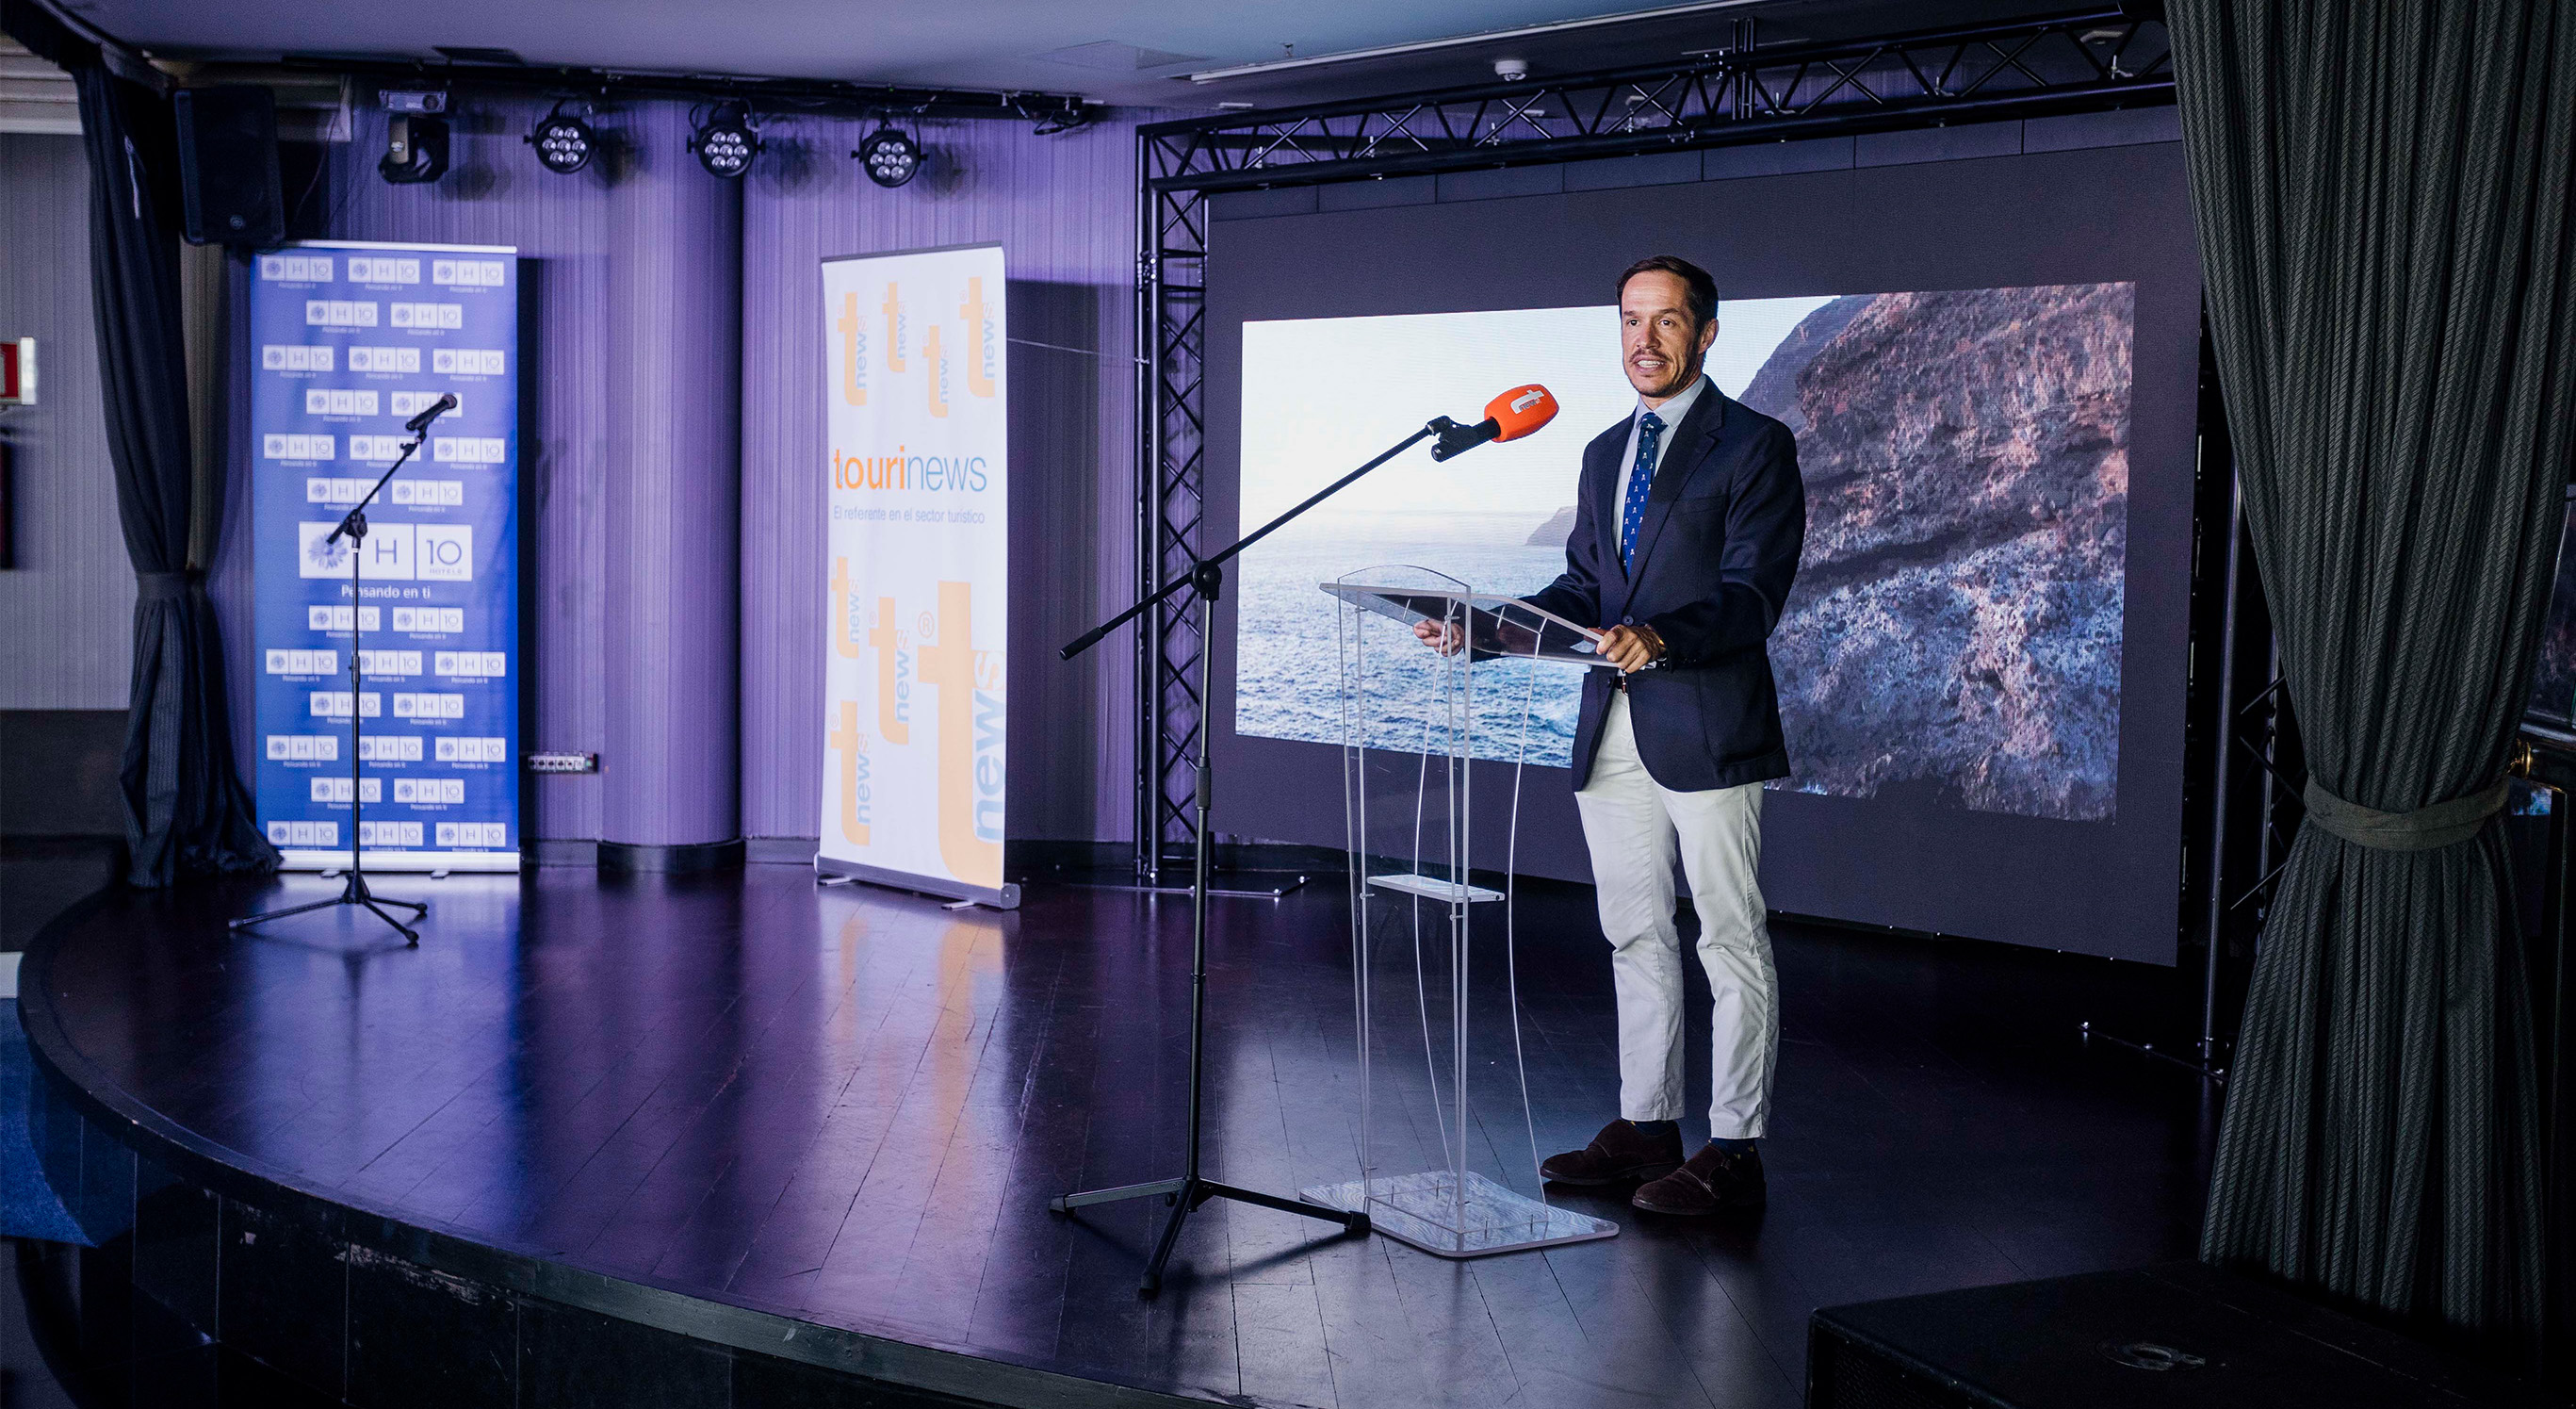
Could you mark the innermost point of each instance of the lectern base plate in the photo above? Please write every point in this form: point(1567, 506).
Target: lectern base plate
point(1426, 1211)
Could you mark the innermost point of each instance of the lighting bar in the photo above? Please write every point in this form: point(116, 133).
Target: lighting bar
point(1461, 41)
point(2086, 61)
point(761, 95)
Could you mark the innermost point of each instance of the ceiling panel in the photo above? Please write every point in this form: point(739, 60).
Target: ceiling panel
point(1129, 52)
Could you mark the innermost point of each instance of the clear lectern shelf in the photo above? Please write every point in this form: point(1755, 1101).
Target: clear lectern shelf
point(1496, 626)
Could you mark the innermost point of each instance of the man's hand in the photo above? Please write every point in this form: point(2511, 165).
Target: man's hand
point(1446, 637)
point(1631, 648)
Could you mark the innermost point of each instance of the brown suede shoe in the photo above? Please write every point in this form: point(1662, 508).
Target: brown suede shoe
point(1620, 1151)
point(1713, 1182)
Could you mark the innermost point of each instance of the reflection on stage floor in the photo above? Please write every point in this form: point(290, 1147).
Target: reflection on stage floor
point(851, 1105)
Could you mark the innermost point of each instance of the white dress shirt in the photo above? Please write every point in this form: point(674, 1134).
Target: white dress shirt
point(1670, 413)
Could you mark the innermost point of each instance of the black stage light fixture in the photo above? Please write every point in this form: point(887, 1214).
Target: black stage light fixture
point(725, 142)
point(564, 143)
point(432, 101)
point(415, 149)
point(889, 157)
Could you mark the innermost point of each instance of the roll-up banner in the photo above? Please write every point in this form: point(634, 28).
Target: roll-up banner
point(351, 341)
point(915, 694)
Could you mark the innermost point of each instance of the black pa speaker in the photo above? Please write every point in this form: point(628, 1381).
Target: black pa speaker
point(228, 166)
point(2180, 1336)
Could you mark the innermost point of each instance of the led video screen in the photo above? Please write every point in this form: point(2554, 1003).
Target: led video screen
point(1992, 370)
point(1955, 628)
point(2553, 675)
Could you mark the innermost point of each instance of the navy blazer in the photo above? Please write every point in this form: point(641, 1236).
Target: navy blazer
point(1718, 546)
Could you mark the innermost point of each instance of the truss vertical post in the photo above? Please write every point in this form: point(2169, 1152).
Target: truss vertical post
point(1171, 279)
point(1149, 499)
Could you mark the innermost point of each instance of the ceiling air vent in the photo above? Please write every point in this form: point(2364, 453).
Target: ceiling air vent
point(1114, 57)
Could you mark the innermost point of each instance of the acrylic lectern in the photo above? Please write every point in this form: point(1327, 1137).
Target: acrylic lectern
point(1412, 724)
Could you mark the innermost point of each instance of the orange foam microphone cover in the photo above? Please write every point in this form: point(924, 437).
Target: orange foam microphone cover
point(1521, 410)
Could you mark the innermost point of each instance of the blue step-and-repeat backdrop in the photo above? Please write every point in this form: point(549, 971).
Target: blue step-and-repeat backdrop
point(351, 341)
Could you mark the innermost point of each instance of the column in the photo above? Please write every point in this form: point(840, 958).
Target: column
point(669, 762)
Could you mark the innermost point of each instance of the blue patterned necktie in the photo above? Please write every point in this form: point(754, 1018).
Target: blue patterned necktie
point(1650, 433)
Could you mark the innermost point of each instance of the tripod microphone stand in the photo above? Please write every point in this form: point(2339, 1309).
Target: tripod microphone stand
point(353, 888)
point(1206, 579)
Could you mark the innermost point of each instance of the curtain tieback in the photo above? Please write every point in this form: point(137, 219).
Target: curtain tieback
point(2442, 824)
point(162, 586)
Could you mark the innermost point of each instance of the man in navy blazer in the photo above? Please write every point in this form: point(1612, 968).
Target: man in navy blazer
point(1688, 522)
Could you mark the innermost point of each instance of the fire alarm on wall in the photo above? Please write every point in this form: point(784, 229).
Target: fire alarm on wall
point(18, 372)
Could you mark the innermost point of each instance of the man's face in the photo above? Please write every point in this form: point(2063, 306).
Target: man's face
point(1661, 345)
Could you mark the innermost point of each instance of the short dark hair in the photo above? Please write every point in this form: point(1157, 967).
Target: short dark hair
point(1700, 289)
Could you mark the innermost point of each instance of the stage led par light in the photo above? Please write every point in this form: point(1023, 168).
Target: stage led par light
point(725, 143)
point(889, 157)
point(564, 143)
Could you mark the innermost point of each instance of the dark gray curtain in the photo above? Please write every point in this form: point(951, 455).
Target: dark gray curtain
point(2383, 198)
point(186, 810)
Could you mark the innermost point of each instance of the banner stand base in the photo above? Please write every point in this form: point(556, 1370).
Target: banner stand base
point(1007, 897)
point(296, 858)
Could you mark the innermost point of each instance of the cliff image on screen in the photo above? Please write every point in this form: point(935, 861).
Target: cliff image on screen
point(1955, 633)
point(2553, 676)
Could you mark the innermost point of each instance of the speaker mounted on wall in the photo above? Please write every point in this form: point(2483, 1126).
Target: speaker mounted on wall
point(228, 178)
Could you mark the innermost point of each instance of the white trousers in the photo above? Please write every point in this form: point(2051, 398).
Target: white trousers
point(1633, 826)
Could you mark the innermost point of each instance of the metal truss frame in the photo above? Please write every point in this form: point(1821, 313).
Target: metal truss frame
point(1738, 94)
point(1052, 112)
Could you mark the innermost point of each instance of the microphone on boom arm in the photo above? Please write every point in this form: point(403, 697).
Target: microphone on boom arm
point(1509, 416)
point(353, 525)
point(445, 403)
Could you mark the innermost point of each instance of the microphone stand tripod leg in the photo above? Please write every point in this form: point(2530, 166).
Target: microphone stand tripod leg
point(1182, 1207)
point(353, 888)
point(264, 916)
point(1186, 1193)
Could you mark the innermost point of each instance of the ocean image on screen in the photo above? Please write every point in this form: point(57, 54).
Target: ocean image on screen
point(1954, 636)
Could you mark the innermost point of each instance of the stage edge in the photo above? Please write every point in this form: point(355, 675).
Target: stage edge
point(371, 1235)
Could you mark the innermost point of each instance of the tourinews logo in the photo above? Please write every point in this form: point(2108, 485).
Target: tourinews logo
point(904, 668)
point(897, 468)
point(901, 469)
point(969, 723)
point(983, 347)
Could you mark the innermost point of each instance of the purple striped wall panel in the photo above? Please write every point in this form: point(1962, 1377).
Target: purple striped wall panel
point(673, 491)
point(1062, 208)
point(496, 194)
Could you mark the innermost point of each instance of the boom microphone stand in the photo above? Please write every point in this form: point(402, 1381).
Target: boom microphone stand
point(353, 889)
point(1184, 1194)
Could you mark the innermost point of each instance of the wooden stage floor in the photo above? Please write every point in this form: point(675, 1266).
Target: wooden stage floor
point(851, 1106)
